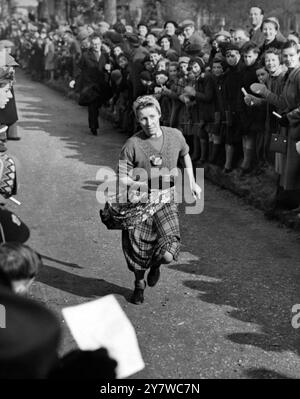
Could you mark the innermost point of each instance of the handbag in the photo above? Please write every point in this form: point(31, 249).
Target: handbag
point(278, 143)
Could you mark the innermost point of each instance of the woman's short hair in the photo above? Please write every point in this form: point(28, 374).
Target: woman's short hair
point(250, 46)
point(166, 37)
point(272, 50)
point(151, 33)
point(171, 22)
point(144, 102)
point(271, 20)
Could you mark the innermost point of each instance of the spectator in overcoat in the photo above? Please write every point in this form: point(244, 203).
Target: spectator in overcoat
point(93, 80)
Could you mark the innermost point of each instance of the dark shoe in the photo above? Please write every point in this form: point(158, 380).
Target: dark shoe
point(14, 138)
point(94, 132)
point(153, 276)
point(201, 162)
point(244, 171)
point(137, 297)
point(226, 171)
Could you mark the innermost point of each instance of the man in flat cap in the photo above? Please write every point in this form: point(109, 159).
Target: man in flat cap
point(192, 37)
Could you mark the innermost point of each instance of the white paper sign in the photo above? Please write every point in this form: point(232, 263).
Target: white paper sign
point(103, 323)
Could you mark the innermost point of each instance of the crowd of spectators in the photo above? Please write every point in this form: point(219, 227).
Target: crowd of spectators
point(234, 94)
point(202, 79)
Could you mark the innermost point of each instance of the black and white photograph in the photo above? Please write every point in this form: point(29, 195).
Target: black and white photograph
point(150, 193)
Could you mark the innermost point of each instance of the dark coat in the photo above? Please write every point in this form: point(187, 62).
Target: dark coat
point(288, 102)
point(93, 76)
point(204, 108)
point(274, 44)
point(136, 66)
point(231, 100)
point(257, 37)
point(195, 41)
point(252, 119)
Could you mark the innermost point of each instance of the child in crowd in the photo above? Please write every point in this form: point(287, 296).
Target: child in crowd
point(155, 56)
point(251, 118)
point(161, 80)
point(262, 74)
point(147, 82)
point(232, 89)
point(202, 110)
point(177, 89)
point(218, 70)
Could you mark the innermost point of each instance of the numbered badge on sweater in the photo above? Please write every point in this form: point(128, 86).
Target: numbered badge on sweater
point(156, 160)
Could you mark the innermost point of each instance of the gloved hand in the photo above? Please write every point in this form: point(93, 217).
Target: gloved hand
point(189, 90)
point(283, 121)
point(251, 100)
point(259, 88)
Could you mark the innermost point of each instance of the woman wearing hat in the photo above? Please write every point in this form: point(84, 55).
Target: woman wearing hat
point(203, 110)
point(170, 28)
point(270, 28)
point(154, 150)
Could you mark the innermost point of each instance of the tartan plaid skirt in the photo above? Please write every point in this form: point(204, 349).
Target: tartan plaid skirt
point(152, 238)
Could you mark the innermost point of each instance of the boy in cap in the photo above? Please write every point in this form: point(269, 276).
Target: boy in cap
point(147, 82)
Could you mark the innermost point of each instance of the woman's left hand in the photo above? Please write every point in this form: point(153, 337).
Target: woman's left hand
point(196, 191)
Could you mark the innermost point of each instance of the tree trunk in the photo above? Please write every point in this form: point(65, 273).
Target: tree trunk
point(43, 11)
point(110, 11)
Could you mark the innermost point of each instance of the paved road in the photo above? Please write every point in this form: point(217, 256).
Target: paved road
point(222, 311)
